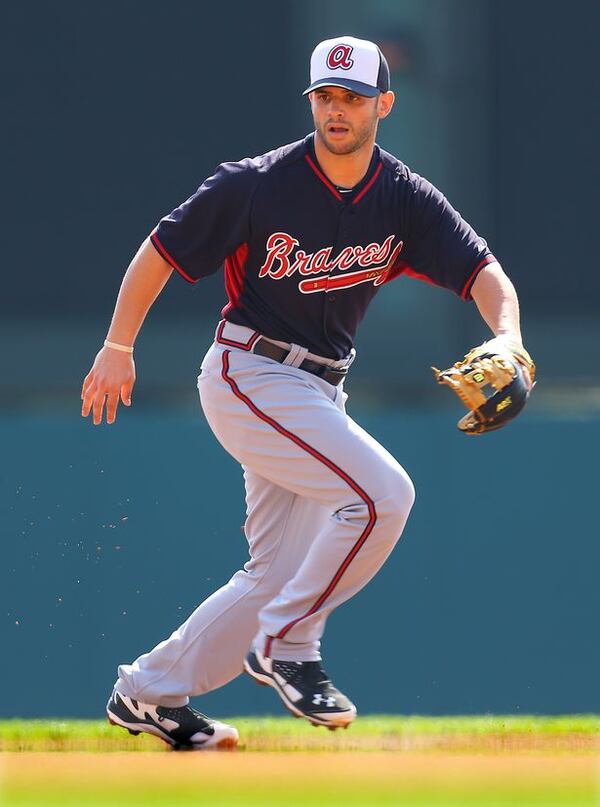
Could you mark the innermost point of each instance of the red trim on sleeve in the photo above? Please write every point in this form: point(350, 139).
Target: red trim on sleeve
point(405, 269)
point(169, 259)
point(368, 185)
point(323, 178)
point(466, 292)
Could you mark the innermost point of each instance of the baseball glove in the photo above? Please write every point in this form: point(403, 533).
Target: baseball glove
point(492, 383)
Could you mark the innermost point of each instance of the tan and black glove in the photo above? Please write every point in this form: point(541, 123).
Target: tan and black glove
point(491, 382)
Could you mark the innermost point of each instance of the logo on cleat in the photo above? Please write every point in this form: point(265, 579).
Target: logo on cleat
point(318, 699)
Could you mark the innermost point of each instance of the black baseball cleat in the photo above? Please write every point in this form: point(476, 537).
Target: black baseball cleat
point(304, 688)
point(181, 727)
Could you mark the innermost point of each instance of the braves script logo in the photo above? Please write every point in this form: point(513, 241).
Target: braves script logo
point(339, 56)
point(376, 259)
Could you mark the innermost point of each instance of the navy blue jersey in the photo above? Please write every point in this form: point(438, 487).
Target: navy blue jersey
point(303, 259)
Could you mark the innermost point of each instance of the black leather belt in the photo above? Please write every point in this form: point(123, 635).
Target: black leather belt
point(331, 375)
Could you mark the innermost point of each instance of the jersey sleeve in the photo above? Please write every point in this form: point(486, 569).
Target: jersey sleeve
point(441, 248)
point(198, 235)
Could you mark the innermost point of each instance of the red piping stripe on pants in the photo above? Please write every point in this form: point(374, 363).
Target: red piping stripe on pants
point(332, 466)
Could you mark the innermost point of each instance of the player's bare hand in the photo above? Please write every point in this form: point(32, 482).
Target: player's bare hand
point(110, 380)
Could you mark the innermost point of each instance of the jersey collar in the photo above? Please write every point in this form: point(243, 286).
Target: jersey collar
point(359, 190)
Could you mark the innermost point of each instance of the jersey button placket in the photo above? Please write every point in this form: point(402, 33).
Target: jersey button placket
point(325, 299)
point(344, 231)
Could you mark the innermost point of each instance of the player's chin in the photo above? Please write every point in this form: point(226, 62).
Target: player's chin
point(345, 145)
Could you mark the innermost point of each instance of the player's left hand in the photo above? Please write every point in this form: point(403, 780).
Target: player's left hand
point(494, 381)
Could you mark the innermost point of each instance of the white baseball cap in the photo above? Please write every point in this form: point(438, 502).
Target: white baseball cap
point(346, 61)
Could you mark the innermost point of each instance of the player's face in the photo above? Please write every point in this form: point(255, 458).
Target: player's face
point(345, 121)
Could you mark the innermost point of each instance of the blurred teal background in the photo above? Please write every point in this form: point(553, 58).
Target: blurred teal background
point(113, 114)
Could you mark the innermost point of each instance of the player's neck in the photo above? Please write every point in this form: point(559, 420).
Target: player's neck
point(344, 170)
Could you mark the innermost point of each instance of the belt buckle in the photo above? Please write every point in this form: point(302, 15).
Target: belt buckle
point(341, 371)
point(350, 359)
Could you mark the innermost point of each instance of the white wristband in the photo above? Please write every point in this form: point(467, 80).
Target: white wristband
point(115, 346)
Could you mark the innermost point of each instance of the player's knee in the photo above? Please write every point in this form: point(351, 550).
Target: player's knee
point(388, 507)
point(396, 502)
point(255, 583)
point(409, 492)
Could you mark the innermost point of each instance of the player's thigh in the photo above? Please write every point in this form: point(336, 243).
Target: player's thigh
point(290, 431)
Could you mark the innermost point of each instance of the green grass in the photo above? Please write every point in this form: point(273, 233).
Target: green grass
point(482, 761)
point(284, 734)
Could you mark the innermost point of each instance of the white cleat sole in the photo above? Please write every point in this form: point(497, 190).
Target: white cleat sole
point(331, 722)
point(225, 737)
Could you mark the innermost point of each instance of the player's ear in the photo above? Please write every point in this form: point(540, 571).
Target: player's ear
point(385, 102)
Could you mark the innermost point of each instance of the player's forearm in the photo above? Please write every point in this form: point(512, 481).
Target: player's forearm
point(145, 278)
point(497, 301)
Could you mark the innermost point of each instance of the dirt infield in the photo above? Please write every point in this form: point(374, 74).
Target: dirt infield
point(488, 761)
point(280, 779)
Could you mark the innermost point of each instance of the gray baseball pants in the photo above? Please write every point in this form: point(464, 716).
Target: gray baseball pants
point(325, 506)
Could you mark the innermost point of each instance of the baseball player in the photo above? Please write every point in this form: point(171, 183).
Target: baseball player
point(308, 233)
